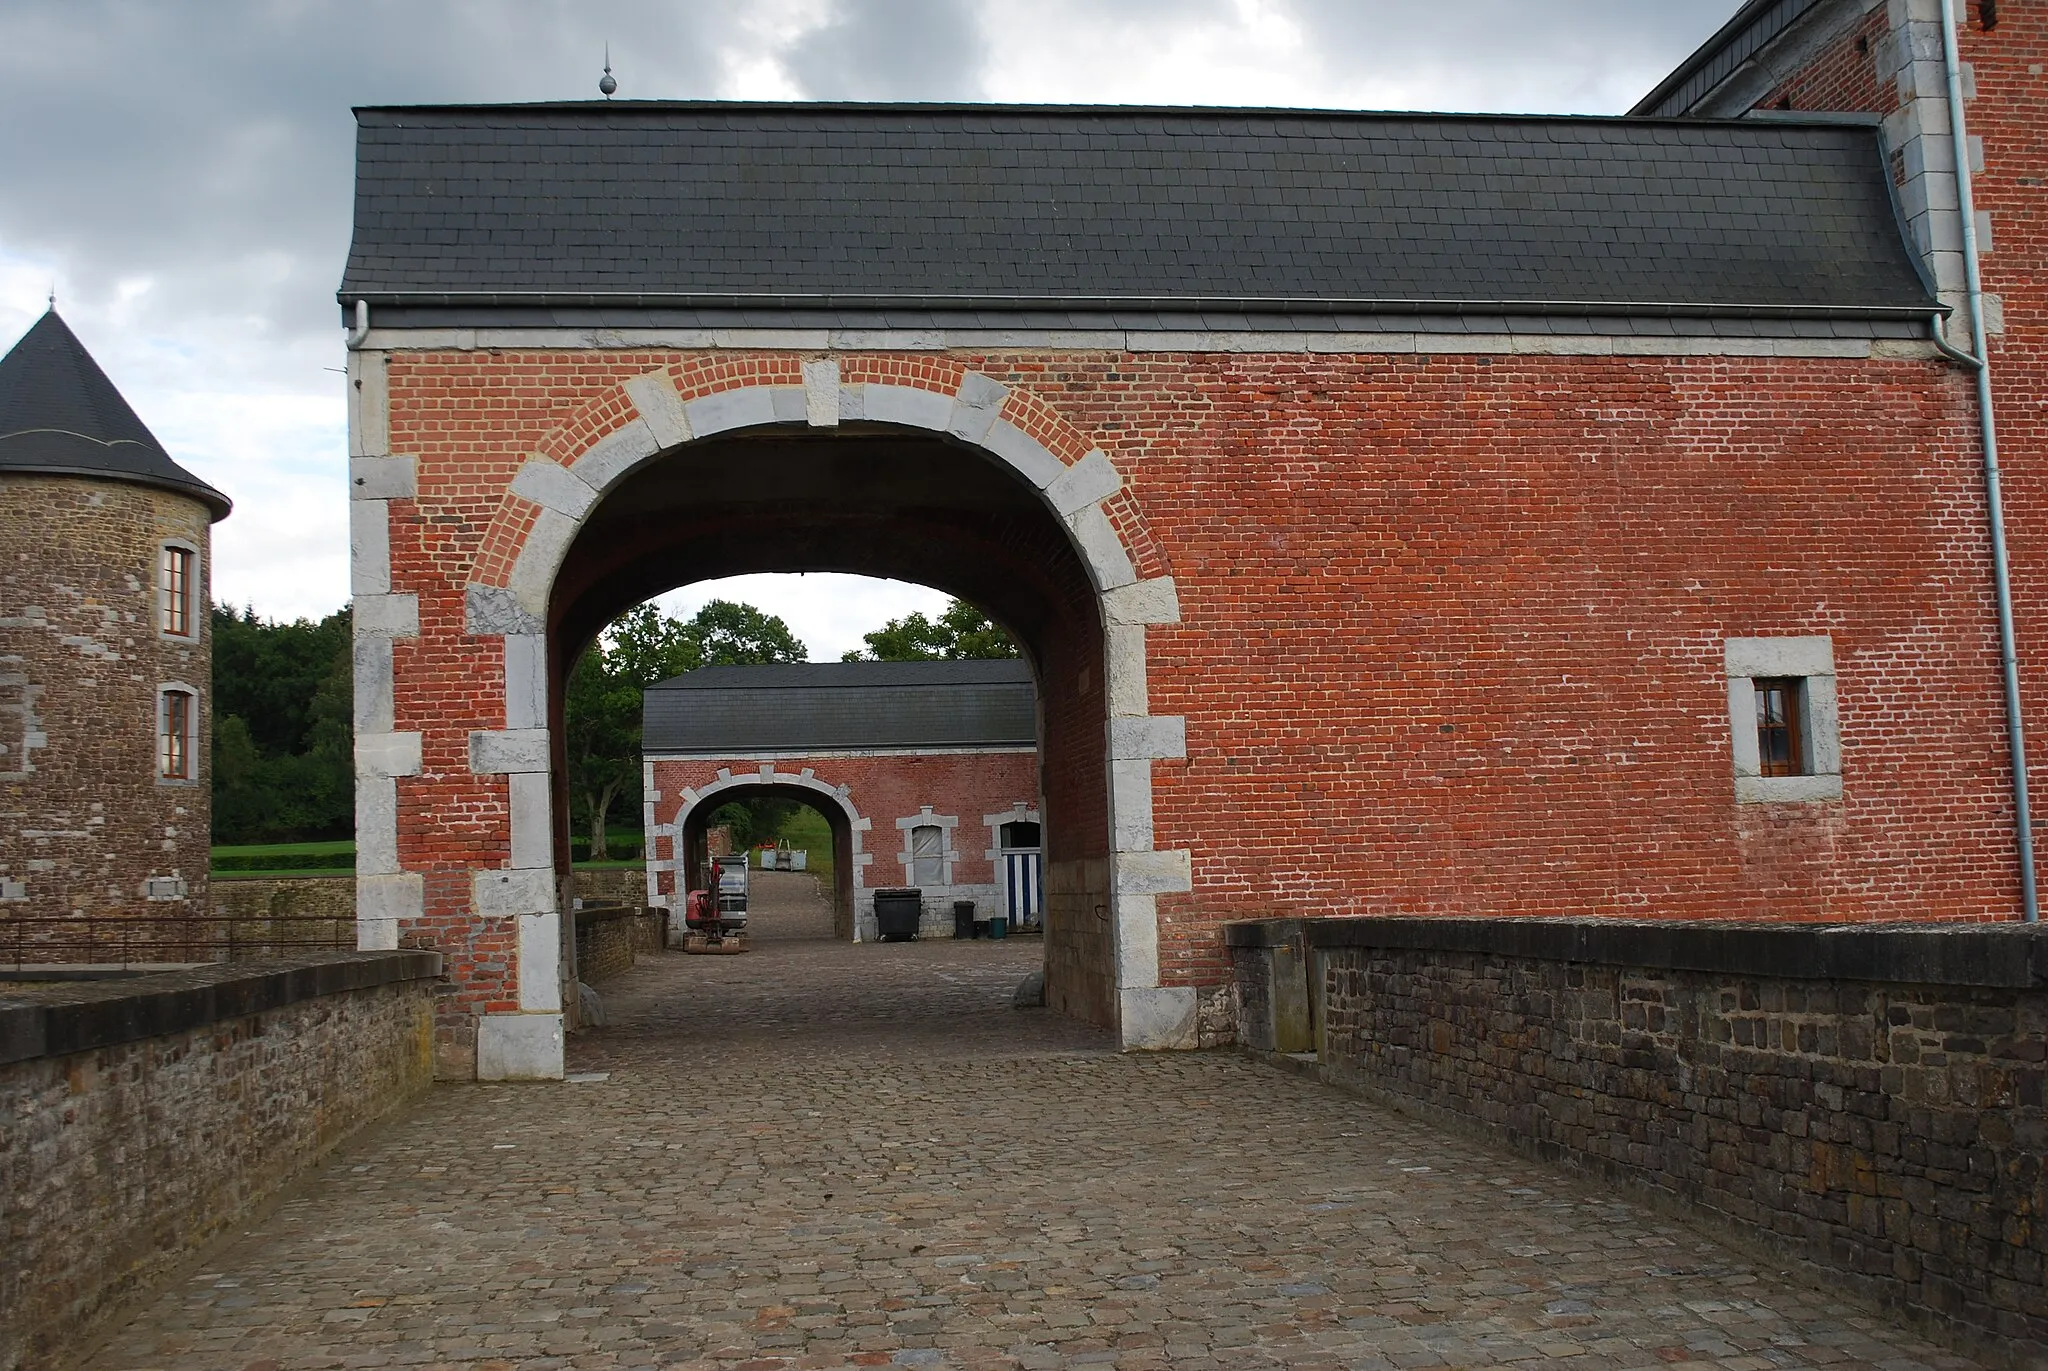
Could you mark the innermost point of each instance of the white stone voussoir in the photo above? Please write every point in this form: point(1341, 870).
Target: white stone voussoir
point(608, 459)
point(975, 407)
point(1087, 482)
point(1156, 601)
point(554, 487)
point(748, 407)
point(1024, 454)
point(821, 392)
point(1107, 559)
point(533, 575)
point(908, 406)
point(661, 409)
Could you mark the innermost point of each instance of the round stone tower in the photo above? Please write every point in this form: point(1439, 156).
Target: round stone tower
point(105, 670)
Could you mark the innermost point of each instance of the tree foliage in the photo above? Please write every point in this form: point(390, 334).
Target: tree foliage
point(961, 632)
point(283, 706)
point(601, 726)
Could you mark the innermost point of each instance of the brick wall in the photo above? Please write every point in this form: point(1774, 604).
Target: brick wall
point(883, 788)
point(2007, 114)
point(128, 1146)
point(1868, 1100)
point(84, 821)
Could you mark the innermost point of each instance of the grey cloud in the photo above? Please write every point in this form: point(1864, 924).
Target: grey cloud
point(210, 146)
point(1607, 52)
point(892, 50)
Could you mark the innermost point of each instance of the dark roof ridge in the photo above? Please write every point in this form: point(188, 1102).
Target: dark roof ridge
point(1029, 108)
point(812, 675)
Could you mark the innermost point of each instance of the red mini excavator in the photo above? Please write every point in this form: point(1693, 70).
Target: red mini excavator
point(715, 920)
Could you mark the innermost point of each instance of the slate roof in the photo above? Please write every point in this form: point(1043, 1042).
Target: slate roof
point(742, 711)
point(61, 416)
point(891, 215)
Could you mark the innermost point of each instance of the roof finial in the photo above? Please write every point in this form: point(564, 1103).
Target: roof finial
point(605, 84)
point(53, 297)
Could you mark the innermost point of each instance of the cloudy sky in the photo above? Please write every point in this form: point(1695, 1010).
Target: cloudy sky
point(180, 173)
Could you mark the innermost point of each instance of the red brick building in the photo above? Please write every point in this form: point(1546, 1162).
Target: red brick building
point(1400, 514)
point(927, 773)
point(105, 669)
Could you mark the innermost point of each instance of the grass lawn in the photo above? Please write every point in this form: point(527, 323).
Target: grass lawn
point(336, 857)
point(272, 861)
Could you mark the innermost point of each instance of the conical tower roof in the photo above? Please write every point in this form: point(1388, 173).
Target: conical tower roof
point(61, 416)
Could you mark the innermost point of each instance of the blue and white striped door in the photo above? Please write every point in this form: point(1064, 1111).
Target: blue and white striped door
point(1021, 887)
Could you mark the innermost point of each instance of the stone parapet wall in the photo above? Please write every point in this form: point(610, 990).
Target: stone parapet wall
point(1870, 1100)
point(608, 940)
point(145, 1115)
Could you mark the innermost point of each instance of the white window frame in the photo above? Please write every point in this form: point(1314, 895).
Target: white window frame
point(163, 694)
point(1810, 660)
point(193, 580)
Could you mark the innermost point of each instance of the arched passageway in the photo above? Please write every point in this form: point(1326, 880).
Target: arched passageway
point(882, 500)
point(679, 858)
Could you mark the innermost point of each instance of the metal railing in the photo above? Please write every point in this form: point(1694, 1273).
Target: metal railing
point(118, 941)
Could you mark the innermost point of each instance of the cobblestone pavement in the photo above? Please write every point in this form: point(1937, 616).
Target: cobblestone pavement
point(818, 1155)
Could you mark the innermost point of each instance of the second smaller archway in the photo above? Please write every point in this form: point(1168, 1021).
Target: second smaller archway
point(677, 857)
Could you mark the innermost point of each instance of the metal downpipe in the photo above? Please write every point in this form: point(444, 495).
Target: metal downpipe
point(1979, 362)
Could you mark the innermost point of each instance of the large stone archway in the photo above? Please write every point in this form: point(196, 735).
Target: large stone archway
point(513, 582)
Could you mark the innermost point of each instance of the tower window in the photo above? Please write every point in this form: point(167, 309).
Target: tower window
point(177, 733)
point(176, 586)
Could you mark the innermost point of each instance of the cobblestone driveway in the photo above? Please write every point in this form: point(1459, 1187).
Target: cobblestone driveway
point(817, 1155)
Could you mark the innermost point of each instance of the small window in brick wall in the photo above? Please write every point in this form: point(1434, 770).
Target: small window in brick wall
point(1780, 725)
point(165, 888)
point(177, 734)
point(1782, 720)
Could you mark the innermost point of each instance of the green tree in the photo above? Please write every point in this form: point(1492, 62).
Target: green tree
point(729, 634)
point(960, 633)
point(601, 707)
point(283, 768)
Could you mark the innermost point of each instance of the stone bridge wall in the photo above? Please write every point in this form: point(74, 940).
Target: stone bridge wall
point(1870, 1100)
point(145, 1115)
point(608, 939)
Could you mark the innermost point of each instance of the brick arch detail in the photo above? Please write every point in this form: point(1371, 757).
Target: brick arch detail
point(712, 792)
point(609, 438)
point(655, 413)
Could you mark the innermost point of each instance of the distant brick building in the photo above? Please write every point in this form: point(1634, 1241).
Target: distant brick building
point(105, 667)
point(926, 771)
point(1401, 514)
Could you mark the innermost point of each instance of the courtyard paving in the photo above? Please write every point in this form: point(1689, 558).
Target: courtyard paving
point(818, 1155)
